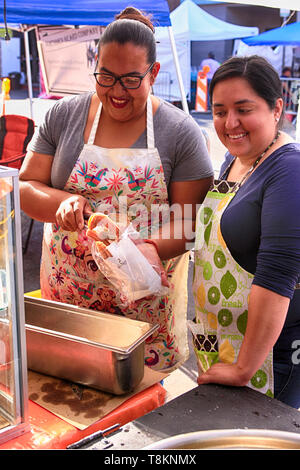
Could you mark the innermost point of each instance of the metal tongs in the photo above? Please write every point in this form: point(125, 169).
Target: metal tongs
point(93, 437)
point(86, 218)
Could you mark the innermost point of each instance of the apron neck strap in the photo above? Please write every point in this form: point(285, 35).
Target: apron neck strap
point(149, 130)
point(150, 127)
point(95, 125)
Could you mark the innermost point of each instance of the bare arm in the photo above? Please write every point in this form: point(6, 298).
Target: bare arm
point(266, 316)
point(44, 203)
point(173, 237)
point(185, 197)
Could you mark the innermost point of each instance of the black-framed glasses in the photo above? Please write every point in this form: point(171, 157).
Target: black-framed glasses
point(129, 81)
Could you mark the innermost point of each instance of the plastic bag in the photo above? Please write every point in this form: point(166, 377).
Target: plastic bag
point(122, 263)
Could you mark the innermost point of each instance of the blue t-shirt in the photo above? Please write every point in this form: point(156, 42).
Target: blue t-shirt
point(261, 227)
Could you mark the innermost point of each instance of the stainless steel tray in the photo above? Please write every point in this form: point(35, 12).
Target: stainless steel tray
point(96, 349)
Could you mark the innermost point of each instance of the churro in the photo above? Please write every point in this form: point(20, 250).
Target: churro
point(102, 228)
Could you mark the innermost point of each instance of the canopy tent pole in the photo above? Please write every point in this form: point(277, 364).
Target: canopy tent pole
point(28, 70)
point(178, 71)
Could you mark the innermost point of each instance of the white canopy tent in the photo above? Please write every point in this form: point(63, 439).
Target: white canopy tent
point(191, 23)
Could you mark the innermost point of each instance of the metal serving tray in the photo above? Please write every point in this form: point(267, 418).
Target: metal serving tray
point(96, 349)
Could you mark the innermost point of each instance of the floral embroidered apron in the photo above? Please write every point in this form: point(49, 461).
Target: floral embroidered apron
point(221, 288)
point(120, 180)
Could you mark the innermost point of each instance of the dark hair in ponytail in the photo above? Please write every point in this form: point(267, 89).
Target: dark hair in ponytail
point(131, 25)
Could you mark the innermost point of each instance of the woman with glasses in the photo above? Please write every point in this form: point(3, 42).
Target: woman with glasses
point(113, 147)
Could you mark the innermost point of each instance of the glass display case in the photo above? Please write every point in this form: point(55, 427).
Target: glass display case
point(13, 362)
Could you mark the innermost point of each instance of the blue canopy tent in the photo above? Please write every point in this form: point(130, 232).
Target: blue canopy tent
point(79, 12)
point(288, 35)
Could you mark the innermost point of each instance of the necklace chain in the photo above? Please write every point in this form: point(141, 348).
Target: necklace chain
point(239, 184)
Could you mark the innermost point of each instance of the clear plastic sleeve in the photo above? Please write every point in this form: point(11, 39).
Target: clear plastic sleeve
point(122, 263)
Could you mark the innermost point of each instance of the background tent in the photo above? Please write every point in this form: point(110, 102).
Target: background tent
point(288, 35)
point(189, 23)
point(289, 4)
point(83, 12)
point(279, 56)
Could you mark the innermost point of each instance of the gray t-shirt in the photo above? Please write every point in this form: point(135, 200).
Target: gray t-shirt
point(178, 138)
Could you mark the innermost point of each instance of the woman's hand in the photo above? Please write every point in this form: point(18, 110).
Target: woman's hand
point(42, 202)
point(150, 252)
point(71, 213)
point(225, 374)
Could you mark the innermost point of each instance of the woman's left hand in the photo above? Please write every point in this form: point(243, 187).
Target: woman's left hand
point(150, 253)
point(221, 373)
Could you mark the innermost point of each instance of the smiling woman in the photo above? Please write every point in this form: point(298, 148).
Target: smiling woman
point(124, 149)
point(246, 119)
point(244, 122)
point(255, 215)
point(124, 95)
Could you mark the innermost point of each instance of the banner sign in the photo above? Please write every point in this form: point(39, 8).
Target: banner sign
point(68, 58)
point(86, 33)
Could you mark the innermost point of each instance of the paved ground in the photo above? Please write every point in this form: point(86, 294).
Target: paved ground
point(184, 378)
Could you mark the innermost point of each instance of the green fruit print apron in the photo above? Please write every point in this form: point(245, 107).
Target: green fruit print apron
point(221, 290)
